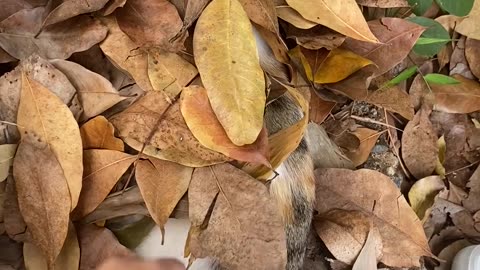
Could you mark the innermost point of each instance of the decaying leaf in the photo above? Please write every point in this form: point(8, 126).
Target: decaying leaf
point(368, 138)
point(367, 259)
point(319, 109)
point(7, 152)
point(469, 26)
point(422, 194)
point(419, 145)
point(459, 98)
point(472, 53)
point(262, 12)
point(68, 259)
point(170, 140)
point(43, 195)
point(244, 220)
point(59, 130)
point(403, 238)
point(103, 168)
point(393, 99)
point(448, 254)
point(316, 38)
point(98, 133)
point(396, 36)
point(227, 60)
point(472, 202)
point(67, 9)
point(203, 123)
point(344, 17)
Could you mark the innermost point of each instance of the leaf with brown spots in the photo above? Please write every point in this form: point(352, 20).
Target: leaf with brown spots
point(98, 133)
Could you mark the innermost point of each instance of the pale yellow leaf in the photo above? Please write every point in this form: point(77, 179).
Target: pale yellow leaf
point(423, 192)
point(290, 15)
point(7, 152)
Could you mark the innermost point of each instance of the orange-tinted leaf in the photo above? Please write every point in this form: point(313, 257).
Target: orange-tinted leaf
point(98, 133)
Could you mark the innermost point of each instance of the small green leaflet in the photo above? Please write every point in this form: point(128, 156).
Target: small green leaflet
point(434, 31)
point(440, 79)
point(403, 76)
point(425, 41)
point(456, 7)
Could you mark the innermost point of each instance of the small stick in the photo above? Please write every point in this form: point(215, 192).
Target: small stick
point(368, 120)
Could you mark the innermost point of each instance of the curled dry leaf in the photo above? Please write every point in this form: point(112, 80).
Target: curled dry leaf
point(162, 184)
point(125, 54)
point(368, 138)
point(375, 194)
point(206, 128)
point(292, 16)
point(228, 63)
point(459, 98)
point(7, 152)
point(152, 118)
point(244, 220)
point(19, 35)
point(98, 133)
point(43, 195)
point(468, 26)
point(419, 145)
point(59, 130)
point(95, 92)
point(168, 72)
point(262, 12)
point(67, 9)
point(392, 99)
point(344, 17)
point(397, 37)
point(98, 244)
point(103, 169)
point(151, 23)
point(472, 53)
point(68, 259)
point(423, 192)
point(472, 202)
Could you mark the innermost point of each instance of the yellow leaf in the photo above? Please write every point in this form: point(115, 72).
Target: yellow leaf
point(442, 149)
point(7, 152)
point(169, 72)
point(290, 15)
point(44, 114)
point(343, 16)
point(98, 133)
point(423, 192)
point(227, 59)
point(338, 65)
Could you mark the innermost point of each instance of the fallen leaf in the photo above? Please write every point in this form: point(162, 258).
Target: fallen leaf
point(472, 53)
point(445, 237)
point(162, 184)
point(102, 170)
point(168, 72)
point(419, 145)
point(203, 124)
point(98, 133)
point(244, 220)
point(67, 9)
point(43, 195)
point(460, 98)
point(420, 94)
point(152, 116)
point(193, 9)
point(150, 23)
point(111, 6)
point(403, 238)
point(316, 38)
point(125, 54)
point(472, 202)
point(355, 86)
point(262, 12)
point(319, 109)
point(11, 254)
point(345, 17)
point(7, 152)
point(396, 36)
point(423, 193)
point(383, 4)
point(19, 35)
point(368, 138)
point(448, 254)
point(98, 244)
point(95, 92)
point(228, 63)
point(15, 226)
point(367, 259)
point(59, 130)
point(292, 16)
point(68, 259)
point(468, 26)
point(392, 99)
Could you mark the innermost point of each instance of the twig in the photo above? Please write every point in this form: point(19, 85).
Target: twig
point(463, 168)
point(368, 120)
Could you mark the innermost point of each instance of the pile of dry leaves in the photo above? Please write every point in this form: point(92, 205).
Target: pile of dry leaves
point(116, 108)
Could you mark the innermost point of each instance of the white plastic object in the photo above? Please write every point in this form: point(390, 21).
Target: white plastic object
point(467, 259)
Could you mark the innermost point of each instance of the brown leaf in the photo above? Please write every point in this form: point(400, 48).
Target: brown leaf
point(67, 9)
point(420, 93)
point(419, 145)
point(472, 202)
point(162, 183)
point(468, 26)
point(206, 128)
point(171, 139)
point(59, 130)
point(262, 12)
point(457, 98)
point(125, 54)
point(383, 3)
point(111, 6)
point(98, 134)
point(68, 259)
point(392, 99)
point(355, 86)
point(43, 195)
point(319, 109)
point(472, 53)
point(98, 244)
point(10, 254)
point(192, 11)
point(448, 254)
point(397, 37)
point(368, 138)
point(150, 23)
point(103, 168)
point(316, 38)
point(15, 226)
point(373, 193)
point(244, 220)
point(95, 92)
point(19, 35)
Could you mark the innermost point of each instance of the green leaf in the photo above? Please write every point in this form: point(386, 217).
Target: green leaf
point(404, 75)
point(420, 6)
point(425, 41)
point(440, 79)
point(456, 7)
point(434, 30)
